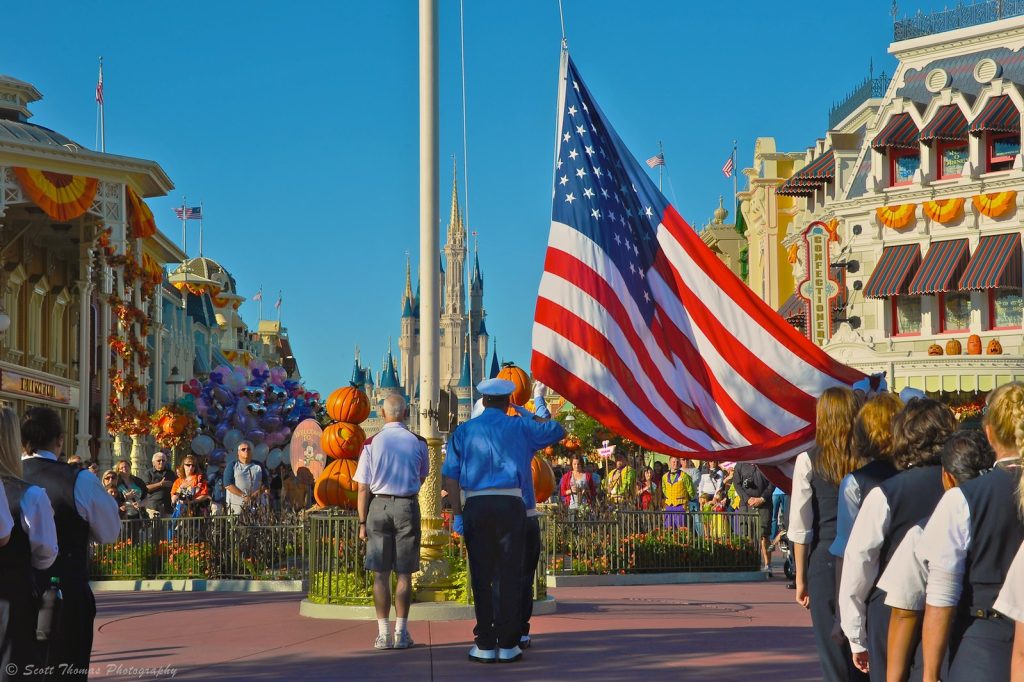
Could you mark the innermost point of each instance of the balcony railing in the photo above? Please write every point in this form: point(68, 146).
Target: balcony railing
point(961, 16)
point(868, 89)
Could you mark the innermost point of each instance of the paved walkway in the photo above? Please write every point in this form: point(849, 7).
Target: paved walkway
point(743, 631)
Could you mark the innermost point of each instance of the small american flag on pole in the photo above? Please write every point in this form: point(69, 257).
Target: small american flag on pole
point(278, 303)
point(189, 212)
point(656, 160)
point(258, 296)
point(641, 326)
point(99, 86)
point(728, 167)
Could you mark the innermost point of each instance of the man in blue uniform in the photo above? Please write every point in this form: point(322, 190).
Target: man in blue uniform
point(487, 458)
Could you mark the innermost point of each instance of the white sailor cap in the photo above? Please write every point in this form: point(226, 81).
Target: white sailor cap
point(496, 387)
point(478, 408)
point(909, 393)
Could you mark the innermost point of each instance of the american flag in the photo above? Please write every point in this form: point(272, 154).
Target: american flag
point(99, 87)
point(656, 160)
point(189, 212)
point(727, 168)
point(642, 327)
point(258, 296)
point(278, 303)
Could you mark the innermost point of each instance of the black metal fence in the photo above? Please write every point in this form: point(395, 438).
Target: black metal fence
point(868, 88)
point(628, 541)
point(323, 549)
point(950, 19)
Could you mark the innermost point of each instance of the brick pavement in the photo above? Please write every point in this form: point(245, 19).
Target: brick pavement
point(739, 631)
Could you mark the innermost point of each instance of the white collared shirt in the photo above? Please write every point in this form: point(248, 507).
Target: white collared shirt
point(944, 545)
point(801, 511)
point(1011, 598)
point(906, 576)
point(93, 503)
point(860, 567)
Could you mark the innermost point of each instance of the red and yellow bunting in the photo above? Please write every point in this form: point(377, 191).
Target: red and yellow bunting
point(152, 269)
point(995, 204)
point(944, 210)
point(832, 227)
point(141, 224)
point(896, 217)
point(62, 197)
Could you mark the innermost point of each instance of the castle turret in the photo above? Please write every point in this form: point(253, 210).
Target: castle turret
point(453, 317)
point(495, 365)
point(408, 340)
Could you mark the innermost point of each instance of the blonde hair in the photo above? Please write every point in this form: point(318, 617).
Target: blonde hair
point(834, 421)
point(1004, 417)
point(10, 443)
point(872, 429)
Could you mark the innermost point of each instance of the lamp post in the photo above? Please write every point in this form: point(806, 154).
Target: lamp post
point(173, 381)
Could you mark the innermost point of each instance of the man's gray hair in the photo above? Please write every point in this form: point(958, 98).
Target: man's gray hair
point(393, 406)
point(159, 453)
point(245, 442)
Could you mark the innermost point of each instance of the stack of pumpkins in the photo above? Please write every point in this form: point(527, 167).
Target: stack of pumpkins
point(342, 441)
point(543, 474)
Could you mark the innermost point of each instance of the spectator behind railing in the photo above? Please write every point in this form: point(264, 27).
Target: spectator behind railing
point(190, 494)
point(577, 487)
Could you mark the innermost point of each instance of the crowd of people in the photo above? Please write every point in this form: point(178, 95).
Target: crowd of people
point(906, 532)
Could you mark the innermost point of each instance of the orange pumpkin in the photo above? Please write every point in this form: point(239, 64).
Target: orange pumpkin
point(935, 349)
point(548, 451)
point(974, 345)
point(348, 404)
point(954, 347)
point(520, 378)
point(994, 347)
point(543, 478)
point(342, 440)
point(571, 443)
point(335, 487)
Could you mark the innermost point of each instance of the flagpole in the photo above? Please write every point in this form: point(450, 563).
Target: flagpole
point(261, 306)
point(279, 300)
point(735, 172)
point(661, 168)
point(200, 229)
point(183, 223)
point(103, 123)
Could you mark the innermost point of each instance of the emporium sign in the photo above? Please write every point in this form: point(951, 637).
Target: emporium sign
point(15, 382)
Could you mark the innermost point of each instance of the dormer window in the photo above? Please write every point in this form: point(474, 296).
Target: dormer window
point(899, 142)
point(998, 125)
point(947, 133)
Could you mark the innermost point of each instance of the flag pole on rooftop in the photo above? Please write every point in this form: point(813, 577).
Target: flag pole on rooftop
point(200, 229)
point(661, 168)
point(99, 103)
point(184, 220)
point(734, 174)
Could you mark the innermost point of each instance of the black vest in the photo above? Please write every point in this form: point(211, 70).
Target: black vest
point(996, 534)
point(825, 505)
point(872, 475)
point(16, 556)
point(912, 496)
point(58, 480)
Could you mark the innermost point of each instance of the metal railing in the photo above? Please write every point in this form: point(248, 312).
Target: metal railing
point(868, 89)
point(628, 541)
point(960, 16)
point(323, 548)
point(214, 547)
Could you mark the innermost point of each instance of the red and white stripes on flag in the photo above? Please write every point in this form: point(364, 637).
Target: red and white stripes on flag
point(277, 304)
point(99, 87)
point(728, 167)
point(258, 296)
point(656, 160)
point(641, 326)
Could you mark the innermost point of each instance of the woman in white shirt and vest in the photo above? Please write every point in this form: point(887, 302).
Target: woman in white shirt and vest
point(888, 512)
point(969, 544)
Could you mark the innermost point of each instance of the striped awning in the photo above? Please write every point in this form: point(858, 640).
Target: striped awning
point(893, 271)
point(809, 178)
point(794, 310)
point(996, 263)
point(899, 133)
point(941, 268)
point(1000, 115)
point(947, 125)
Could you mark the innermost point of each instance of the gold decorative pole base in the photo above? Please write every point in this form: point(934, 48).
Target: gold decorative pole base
point(433, 582)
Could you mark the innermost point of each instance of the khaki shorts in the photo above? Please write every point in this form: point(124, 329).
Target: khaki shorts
point(393, 535)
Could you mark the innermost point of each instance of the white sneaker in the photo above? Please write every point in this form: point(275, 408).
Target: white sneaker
point(382, 642)
point(402, 640)
point(524, 642)
point(483, 655)
point(509, 655)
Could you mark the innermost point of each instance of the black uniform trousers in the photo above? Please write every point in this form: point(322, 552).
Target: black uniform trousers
point(531, 557)
point(836, 661)
point(981, 651)
point(878, 634)
point(493, 527)
point(70, 646)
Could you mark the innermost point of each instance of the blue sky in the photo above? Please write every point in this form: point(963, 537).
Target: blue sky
point(297, 126)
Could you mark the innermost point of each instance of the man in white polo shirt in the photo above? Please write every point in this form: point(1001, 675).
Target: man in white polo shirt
point(393, 465)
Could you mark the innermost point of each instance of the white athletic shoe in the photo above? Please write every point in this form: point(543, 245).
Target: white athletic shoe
point(509, 655)
point(524, 642)
point(483, 655)
point(382, 642)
